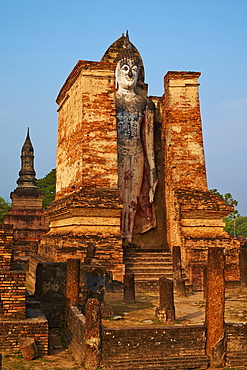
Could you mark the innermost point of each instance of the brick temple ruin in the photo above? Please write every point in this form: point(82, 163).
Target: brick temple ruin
point(87, 248)
point(87, 207)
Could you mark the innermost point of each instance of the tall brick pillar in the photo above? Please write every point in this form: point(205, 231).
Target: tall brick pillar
point(183, 143)
point(93, 335)
point(215, 307)
point(72, 282)
point(194, 216)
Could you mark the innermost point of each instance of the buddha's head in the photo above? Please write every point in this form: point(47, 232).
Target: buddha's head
point(128, 66)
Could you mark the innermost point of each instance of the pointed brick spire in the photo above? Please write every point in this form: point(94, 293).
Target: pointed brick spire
point(27, 173)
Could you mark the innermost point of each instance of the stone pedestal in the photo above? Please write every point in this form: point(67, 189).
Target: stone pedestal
point(129, 288)
point(180, 287)
point(166, 310)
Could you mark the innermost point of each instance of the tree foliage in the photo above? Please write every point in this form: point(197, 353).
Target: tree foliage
point(240, 227)
point(4, 208)
point(48, 186)
point(228, 199)
point(235, 224)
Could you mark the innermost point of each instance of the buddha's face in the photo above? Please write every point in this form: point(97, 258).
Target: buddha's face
point(127, 74)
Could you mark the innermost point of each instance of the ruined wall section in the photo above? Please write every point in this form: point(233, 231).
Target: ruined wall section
point(12, 331)
point(6, 240)
point(12, 295)
point(154, 348)
point(28, 219)
point(86, 148)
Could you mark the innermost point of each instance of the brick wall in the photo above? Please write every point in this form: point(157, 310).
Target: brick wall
point(154, 348)
point(236, 335)
point(58, 248)
point(75, 331)
point(180, 347)
point(139, 348)
point(197, 254)
point(6, 239)
point(12, 331)
point(12, 294)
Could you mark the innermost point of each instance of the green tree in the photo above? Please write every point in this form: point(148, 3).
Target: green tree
point(228, 199)
point(235, 224)
point(216, 192)
point(4, 208)
point(48, 186)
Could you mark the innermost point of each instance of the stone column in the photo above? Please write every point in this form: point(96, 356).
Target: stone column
point(243, 266)
point(166, 310)
point(179, 283)
point(72, 282)
point(129, 288)
point(205, 274)
point(215, 306)
point(93, 335)
point(177, 264)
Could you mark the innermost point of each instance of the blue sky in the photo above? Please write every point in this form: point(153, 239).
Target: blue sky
point(41, 41)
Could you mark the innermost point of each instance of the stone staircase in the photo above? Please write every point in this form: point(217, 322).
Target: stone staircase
point(148, 266)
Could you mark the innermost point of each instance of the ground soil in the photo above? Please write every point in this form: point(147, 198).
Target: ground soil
point(190, 310)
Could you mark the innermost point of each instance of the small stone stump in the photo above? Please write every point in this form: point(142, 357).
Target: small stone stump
point(28, 348)
point(93, 335)
point(129, 288)
point(176, 261)
point(180, 287)
point(106, 310)
point(166, 310)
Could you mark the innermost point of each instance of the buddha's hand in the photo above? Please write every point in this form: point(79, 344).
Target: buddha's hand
point(153, 184)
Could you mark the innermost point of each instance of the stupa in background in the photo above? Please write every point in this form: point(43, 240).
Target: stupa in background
point(26, 213)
